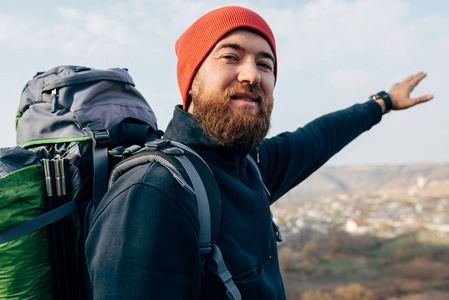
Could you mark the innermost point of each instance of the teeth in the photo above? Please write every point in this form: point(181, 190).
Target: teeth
point(245, 99)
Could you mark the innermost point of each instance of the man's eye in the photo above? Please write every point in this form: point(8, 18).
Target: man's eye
point(230, 57)
point(266, 66)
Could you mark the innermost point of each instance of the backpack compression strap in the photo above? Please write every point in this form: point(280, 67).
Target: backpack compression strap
point(100, 140)
point(38, 222)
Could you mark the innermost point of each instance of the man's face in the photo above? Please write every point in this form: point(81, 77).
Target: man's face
point(232, 92)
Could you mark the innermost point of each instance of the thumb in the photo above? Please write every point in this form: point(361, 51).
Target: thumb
point(422, 99)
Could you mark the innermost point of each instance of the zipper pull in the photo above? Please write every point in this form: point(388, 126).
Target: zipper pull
point(257, 155)
point(54, 100)
point(277, 231)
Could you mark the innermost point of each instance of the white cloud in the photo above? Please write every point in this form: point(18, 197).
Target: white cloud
point(69, 13)
point(11, 29)
point(327, 30)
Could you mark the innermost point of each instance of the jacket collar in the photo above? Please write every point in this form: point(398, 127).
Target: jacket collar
point(185, 129)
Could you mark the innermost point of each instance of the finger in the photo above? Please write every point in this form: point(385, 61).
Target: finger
point(414, 77)
point(422, 99)
point(417, 79)
point(410, 77)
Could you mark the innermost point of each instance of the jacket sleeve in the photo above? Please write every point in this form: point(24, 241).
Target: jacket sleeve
point(289, 158)
point(144, 240)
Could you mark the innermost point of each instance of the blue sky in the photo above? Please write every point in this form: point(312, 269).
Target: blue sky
point(331, 54)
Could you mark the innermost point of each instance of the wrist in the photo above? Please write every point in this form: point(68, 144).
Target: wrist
point(381, 104)
point(384, 100)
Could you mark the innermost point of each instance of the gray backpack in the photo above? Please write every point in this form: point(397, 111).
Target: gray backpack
point(81, 123)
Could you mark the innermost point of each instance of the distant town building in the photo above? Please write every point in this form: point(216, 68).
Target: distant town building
point(356, 226)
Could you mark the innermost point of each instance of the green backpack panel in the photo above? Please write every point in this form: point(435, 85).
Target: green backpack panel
point(24, 262)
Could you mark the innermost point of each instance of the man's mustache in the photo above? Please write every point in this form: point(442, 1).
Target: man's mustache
point(247, 88)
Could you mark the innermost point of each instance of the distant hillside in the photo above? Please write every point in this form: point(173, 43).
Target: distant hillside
point(338, 180)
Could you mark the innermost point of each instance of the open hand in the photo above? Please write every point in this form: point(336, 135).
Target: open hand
point(400, 92)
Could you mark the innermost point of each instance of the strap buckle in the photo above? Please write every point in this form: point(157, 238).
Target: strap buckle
point(205, 250)
point(156, 144)
point(123, 152)
point(100, 137)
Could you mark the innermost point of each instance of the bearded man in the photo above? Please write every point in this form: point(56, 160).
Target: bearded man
point(144, 240)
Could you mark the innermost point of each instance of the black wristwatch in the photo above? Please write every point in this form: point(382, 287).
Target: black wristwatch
point(387, 100)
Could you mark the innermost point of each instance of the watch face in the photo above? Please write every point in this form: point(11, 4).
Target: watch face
point(374, 97)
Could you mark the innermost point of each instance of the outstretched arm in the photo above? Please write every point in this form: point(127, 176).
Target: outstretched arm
point(400, 93)
point(291, 157)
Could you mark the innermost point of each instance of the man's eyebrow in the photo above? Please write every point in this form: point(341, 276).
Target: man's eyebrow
point(234, 46)
point(267, 55)
point(240, 48)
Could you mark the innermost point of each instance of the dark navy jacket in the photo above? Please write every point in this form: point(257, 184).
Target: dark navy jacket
point(144, 240)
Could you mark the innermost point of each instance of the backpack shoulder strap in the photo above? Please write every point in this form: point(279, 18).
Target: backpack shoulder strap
point(209, 214)
point(207, 194)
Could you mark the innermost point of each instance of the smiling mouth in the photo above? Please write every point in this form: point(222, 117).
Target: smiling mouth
point(246, 97)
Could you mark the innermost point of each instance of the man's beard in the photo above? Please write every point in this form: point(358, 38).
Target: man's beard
point(232, 128)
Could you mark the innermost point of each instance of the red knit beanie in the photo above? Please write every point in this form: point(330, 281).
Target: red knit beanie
point(200, 38)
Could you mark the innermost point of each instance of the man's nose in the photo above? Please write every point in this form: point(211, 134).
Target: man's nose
point(249, 73)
